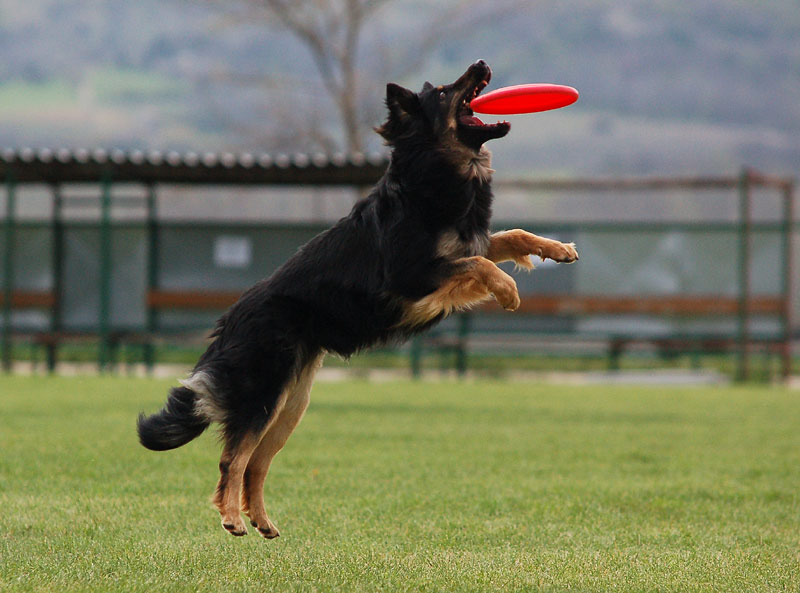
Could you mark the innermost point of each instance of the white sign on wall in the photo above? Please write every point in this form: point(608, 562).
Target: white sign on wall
point(232, 252)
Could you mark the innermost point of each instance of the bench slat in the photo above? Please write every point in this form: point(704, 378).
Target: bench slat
point(699, 305)
point(173, 299)
point(30, 299)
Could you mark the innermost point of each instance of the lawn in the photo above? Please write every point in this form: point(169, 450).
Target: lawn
point(484, 486)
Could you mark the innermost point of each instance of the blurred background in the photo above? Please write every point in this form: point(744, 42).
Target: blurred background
point(673, 172)
point(665, 87)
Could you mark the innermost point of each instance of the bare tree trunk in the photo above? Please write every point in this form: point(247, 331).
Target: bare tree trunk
point(335, 54)
point(332, 29)
point(349, 92)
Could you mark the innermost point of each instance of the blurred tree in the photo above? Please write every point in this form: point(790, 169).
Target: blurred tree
point(331, 31)
point(334, 30)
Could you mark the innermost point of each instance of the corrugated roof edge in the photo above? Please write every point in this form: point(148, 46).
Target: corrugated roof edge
point(81, 165)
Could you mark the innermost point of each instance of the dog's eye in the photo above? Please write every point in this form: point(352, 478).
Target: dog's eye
point(442, 95)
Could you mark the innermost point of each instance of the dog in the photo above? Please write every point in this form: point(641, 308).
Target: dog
point(417, 248)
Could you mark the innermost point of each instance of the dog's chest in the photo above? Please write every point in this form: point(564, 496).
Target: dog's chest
point(452, 245)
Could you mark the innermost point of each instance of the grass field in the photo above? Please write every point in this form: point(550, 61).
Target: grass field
point(412, 487)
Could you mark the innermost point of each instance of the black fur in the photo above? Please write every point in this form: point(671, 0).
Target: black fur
point(347, 288)
point(175, 425)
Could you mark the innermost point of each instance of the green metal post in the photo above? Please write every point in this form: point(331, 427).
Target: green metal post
point(104, 356)
point(152, 273)
point(743, 366)
point(415, 356)
point(8, 270)
point(786, 281)
point(464, 326)
point(56, 315)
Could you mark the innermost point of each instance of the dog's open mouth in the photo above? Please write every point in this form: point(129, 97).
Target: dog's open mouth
point(472, 125)
point(466, 116)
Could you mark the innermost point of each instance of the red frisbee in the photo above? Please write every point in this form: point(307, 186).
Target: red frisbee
point(524, 98)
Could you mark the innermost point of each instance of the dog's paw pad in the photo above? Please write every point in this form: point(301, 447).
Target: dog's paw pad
point(571, 254)
point(510, 301)
point(268, 532)
point(233, 529)
point(563, 253)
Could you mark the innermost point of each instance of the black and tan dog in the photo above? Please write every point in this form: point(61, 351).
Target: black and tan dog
point(416, 249)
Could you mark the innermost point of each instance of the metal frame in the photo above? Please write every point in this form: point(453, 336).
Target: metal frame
point(59, 167)
point(108, 168)
point(743, 184)
point(8, 268)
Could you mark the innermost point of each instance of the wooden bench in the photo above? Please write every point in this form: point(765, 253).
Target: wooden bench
point(564, 306)
point(191, 300)
point(158, 300)
point(677, 305)
point(568, 306)
point(28, 299)
point(50, 339)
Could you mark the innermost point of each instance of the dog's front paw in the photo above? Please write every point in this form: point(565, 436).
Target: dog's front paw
point(564, 253)
point(505, 291)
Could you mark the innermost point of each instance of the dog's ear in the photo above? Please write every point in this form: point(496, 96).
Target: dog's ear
point(401, 101)
point(427, 86)
point(404, 107)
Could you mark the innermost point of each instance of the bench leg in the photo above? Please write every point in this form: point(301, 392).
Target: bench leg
point(149, 357)
point(415, 357)
point(615, 349)
point(51, 356)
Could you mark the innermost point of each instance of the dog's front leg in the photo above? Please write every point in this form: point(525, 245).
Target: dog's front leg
point(518, 245)
point(475, 280)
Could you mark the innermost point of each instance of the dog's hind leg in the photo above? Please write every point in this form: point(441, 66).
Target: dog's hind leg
point(235, 457)
point(294, 406)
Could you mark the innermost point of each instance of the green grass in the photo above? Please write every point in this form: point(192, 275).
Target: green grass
point(114, 85)
point(23, 96)
point(412, 487)
point(109, 85)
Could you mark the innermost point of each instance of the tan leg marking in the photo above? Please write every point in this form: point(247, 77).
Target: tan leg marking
point(296, 402)
point(517, 245)
point(479, 281)
point(232, 465)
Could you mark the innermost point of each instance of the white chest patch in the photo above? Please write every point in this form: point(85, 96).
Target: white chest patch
point(480, 166)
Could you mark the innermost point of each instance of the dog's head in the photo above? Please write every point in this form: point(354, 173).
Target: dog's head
point(441, 114)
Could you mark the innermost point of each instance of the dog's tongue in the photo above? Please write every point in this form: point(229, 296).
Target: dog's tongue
point(471, 120)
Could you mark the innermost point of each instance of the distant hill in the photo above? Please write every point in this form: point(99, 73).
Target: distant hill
point(664, 88)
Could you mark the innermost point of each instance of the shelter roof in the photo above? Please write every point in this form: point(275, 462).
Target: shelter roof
point(46, 165)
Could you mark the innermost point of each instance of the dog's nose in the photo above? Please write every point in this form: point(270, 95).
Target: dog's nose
point(480, 63)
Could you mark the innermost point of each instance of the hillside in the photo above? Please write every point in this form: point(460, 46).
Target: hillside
point(664, 89)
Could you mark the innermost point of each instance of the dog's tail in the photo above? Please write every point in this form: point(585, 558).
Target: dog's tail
point(175, 425)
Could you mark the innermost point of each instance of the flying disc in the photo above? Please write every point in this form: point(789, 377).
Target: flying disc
point(524, 98)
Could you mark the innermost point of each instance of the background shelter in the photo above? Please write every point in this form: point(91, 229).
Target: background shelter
point(126, 248)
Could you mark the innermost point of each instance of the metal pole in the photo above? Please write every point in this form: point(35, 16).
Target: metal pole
point(104, 355)
point(464, 326)
point(415, 356)
point(8, 270)
point(56, 315)
point(743, 367)
point(152, 273)
point(786, 284)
